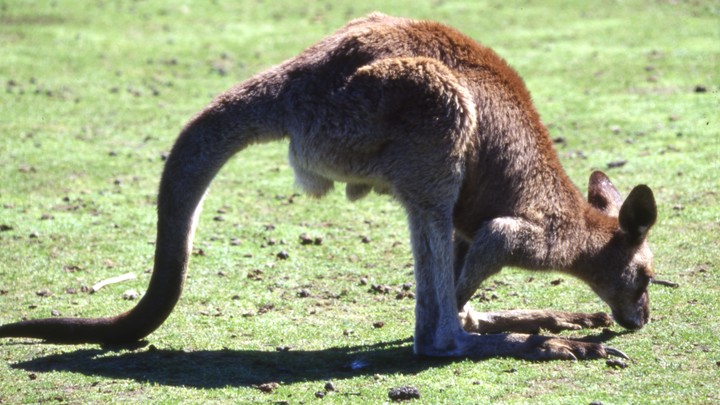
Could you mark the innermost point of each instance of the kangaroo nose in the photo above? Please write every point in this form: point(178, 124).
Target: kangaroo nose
point(636, 317)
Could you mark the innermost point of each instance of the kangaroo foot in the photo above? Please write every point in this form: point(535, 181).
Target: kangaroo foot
point(521, 346)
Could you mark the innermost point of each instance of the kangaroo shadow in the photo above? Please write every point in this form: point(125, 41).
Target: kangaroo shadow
point(236, 368)
point(242, 368)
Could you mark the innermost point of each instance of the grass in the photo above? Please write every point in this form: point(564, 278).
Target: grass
point(95, 92)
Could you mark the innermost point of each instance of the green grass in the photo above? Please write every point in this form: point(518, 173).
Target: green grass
point(93, 93)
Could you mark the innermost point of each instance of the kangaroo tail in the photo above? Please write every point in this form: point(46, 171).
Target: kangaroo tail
point(236, 119)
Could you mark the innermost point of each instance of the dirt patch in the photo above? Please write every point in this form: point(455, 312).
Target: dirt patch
point(33, 19)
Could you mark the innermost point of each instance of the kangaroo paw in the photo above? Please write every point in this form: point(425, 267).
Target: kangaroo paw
point(530, 321)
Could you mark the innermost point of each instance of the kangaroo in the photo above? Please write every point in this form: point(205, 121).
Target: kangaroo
point(420, 111)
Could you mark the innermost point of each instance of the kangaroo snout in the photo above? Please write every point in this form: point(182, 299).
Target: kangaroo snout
point(635, 317)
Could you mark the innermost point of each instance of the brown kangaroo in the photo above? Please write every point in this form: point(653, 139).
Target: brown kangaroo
point(420, 111)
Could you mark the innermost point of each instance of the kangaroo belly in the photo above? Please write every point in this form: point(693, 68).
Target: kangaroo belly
point(317, 177)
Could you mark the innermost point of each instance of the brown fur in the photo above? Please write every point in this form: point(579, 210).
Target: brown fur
point(420, 111)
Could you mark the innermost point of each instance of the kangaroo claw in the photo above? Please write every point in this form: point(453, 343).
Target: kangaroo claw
point(615, 352)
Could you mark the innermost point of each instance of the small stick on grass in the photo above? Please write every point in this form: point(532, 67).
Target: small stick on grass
point(112, 280)
point(665, 283)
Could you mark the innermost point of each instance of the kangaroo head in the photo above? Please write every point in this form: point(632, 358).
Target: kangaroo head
point(622, 267)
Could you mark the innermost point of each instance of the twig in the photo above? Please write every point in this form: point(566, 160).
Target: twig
point(112, 280)
point(665, 283)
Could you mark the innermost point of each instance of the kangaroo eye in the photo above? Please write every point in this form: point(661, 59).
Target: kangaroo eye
point(644, 282)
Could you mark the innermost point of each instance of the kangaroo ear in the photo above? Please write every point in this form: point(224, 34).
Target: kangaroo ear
point(638, 213)
point(603, 195)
